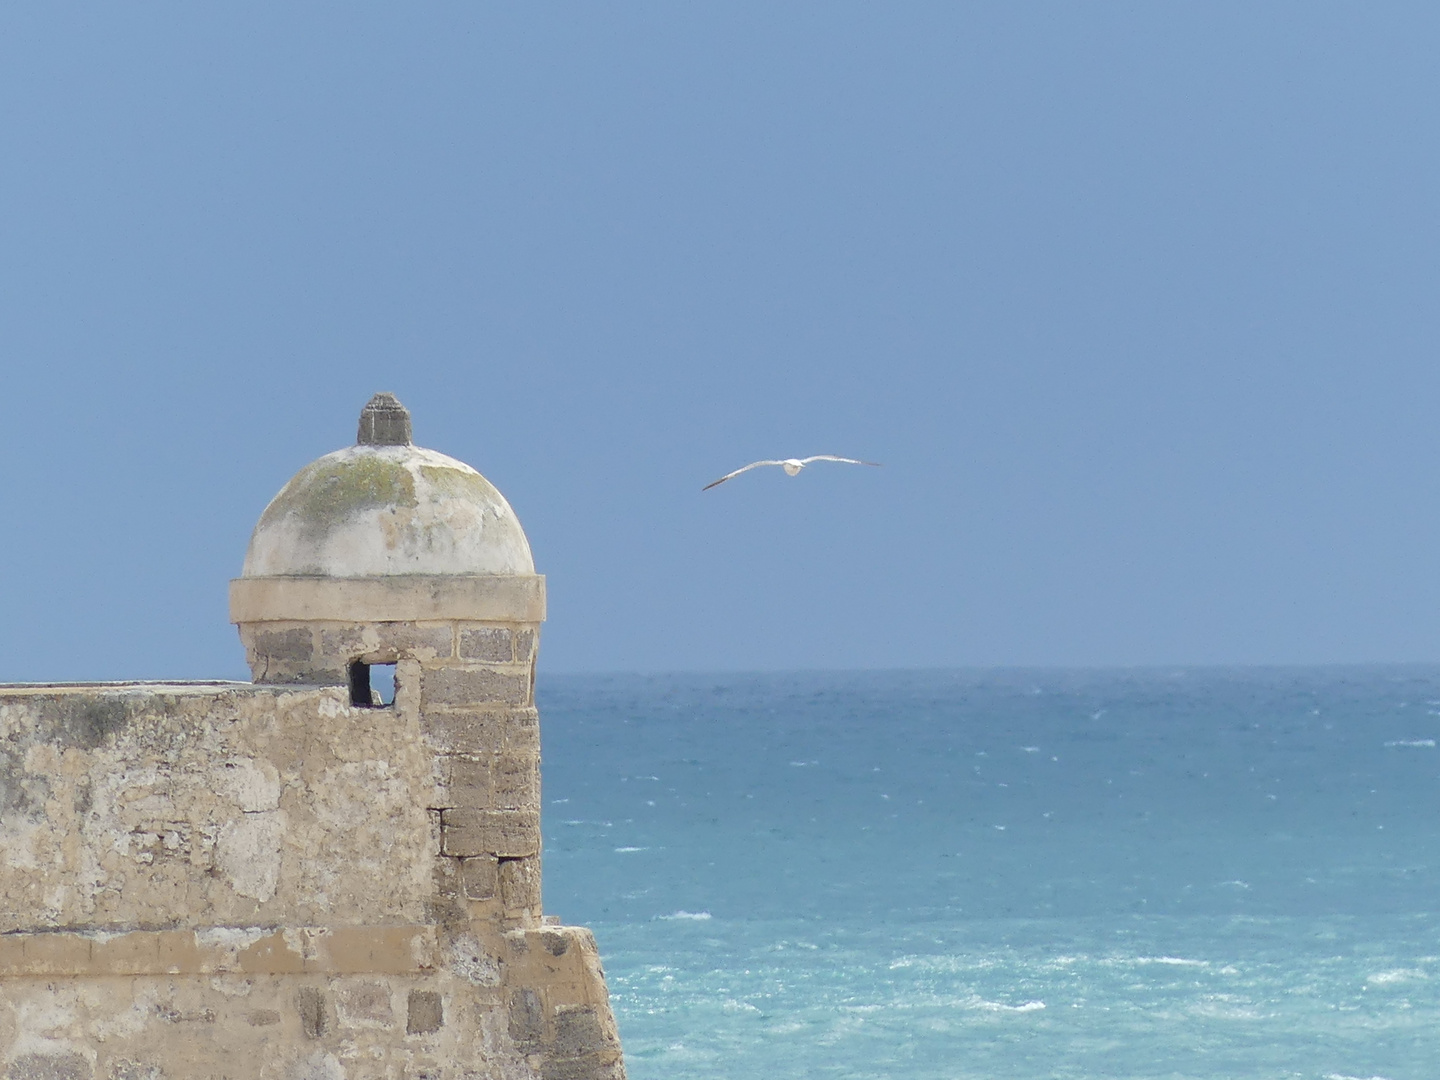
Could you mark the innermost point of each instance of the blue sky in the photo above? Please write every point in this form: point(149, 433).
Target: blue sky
point(1136, 303)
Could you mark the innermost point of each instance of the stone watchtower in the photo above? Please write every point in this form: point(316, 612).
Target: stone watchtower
point(387, 554)
point(307, 876)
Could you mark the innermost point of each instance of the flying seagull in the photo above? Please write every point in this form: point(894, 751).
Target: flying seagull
point(792, 466)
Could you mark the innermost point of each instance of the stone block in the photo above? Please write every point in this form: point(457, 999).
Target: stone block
point(296, 644)
point(391, 950)
point(516, 783)
point(522, 733)
point(579, 1031)
point(408, 641)
point(63, 1066)
point(445, 876)
point(470, 782)
point(527, 1019)
point(603, 1066)
point(479, 877)
point(470, 732)
point(556, 941)
point(365, 1004)
point(473, 686)
point(273, 672)
point(342, 642)
point(506, 833)
point(525, 646)
point(520, 884)
point(489, 643)
point(123, 954)
point(12, 956)
point(310, 1004)
point(47, 954)
point(425, 1014)
point(271, 955)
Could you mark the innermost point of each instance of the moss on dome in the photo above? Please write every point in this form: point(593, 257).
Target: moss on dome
point(329, 491)
point(459, 483)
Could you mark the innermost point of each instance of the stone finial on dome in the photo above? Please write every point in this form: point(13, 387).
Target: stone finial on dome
point(384, 422)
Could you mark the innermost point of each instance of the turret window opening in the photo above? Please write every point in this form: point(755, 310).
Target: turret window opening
point(372, 686)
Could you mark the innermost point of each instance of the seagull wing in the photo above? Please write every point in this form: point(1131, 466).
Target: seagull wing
point(832, 457)
point(737, 472)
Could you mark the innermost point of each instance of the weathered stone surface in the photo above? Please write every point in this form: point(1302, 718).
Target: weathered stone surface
point(521, 733)
point(480, 877)
point(473, 732)
point(402, 639)
point(364, 1004)
point(384, 422)
point(296, 644)
point(578, 1031)
point(463, 686)
point(310, 1004)
point(590, 1067)
point(471, 782)
point(49, 1067)
point(344, 643)
point(370, 512)
point(251, 805)
point(506, 833)
point(425, 1014)
point(520, 885)
point(516, 782)
point(527, 1018)
point(419, 597)
point(556, 942)
point(490, 643)
point(525, 645)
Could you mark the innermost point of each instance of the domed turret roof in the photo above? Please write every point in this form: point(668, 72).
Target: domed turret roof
point(386, 507)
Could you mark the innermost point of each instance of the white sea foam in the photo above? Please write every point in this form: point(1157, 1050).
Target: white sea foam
point(1345, 1076)
point(1146, 961)
point(626, 850)
point(692, 916)
point(1000, 1006)
point(1382, 978)
point(1411, 742)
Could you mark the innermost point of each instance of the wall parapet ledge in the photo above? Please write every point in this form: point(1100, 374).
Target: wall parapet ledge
point(398, 598)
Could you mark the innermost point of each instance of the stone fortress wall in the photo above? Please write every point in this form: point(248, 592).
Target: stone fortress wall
point(286, 879)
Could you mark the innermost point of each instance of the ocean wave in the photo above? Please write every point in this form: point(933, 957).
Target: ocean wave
point(1411, 742)
point(1382, 978)
point(944, 964)
point(1144, 961)
point(626, 850)
point(1000, 1006)
point(694, 916)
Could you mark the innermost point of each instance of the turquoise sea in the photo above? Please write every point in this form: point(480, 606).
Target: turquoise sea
point(1126, 874)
